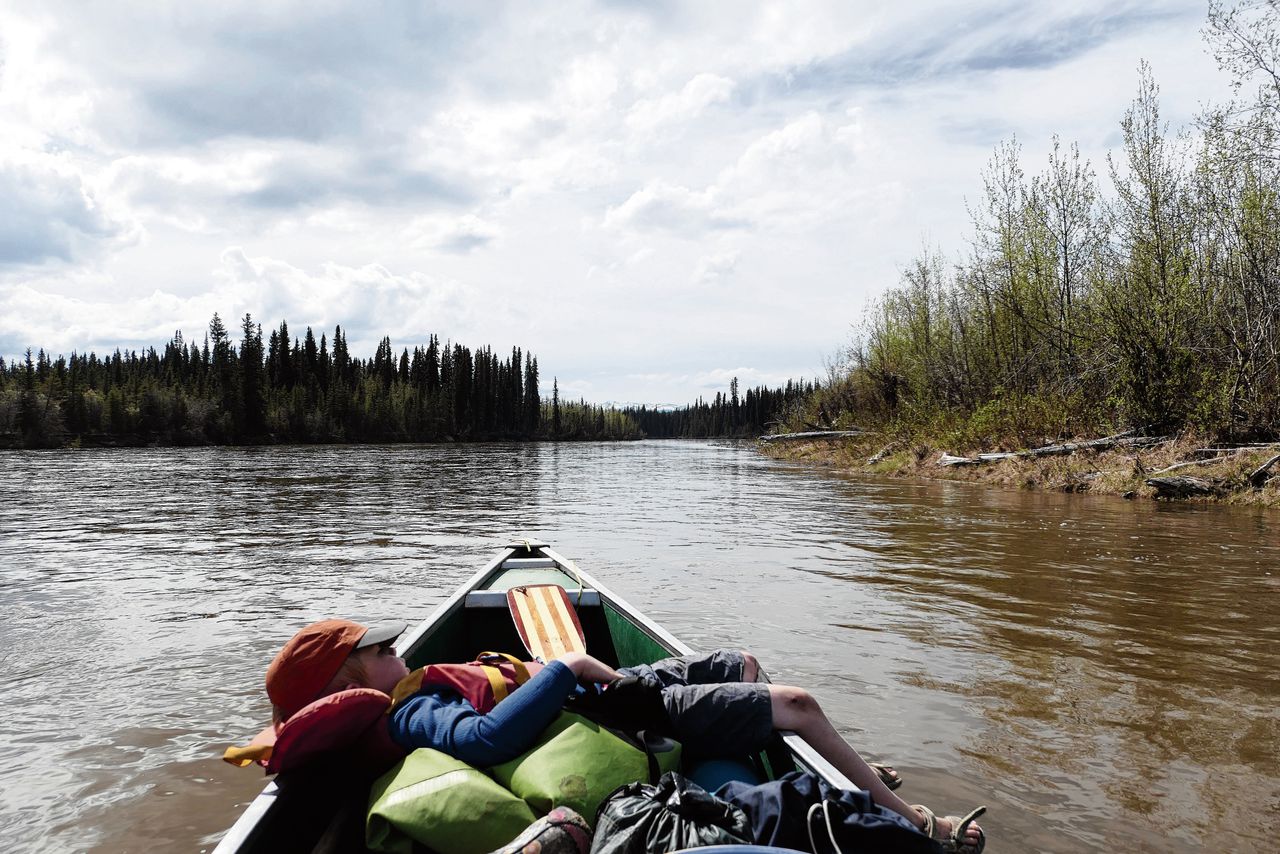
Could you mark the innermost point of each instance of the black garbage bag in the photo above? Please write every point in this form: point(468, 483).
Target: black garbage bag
point(802, 812)
point(640, 818)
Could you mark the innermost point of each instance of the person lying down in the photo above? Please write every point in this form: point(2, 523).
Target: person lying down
point(712, 701)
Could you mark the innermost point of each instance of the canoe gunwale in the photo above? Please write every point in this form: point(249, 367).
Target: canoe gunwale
point(660, 635)
point(416, 635)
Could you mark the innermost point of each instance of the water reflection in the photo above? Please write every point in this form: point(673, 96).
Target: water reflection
point(1102, 673)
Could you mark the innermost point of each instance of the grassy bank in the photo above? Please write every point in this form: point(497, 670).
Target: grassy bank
point(1119, 471)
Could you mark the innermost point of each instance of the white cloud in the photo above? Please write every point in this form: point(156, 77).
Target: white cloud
point(660, 205)
point(464, 234)
point(36, 317)
point(714, 268)
point(794, 174)
point(625, 189)
point(51, 215)
point(784, 179)
point(368, 302)
point(689, 103)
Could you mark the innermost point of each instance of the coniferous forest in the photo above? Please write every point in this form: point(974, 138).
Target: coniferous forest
point(728, 416)
point(290, 389)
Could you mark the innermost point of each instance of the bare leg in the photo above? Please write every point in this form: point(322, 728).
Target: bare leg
point(751, 673)
point(795, 709)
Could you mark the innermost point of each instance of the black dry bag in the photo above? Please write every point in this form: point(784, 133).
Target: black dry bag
point(640, 818)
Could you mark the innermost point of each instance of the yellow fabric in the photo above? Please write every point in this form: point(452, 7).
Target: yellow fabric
point(496, 682)
point(522, 672)
point(412, 684)
point(406, 688)
point(242, 756)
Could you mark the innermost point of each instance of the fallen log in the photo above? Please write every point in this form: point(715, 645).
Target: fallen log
point(948, 460)
point(813, 434)
point(1119, 441)
point(1262, 473)
point(1207, 462)
point(1182, 486)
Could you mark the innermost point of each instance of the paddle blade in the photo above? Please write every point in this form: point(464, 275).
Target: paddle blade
point(546, 621)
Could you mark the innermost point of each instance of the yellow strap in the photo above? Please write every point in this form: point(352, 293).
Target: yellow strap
point(522, 672)
point(242, 756)
point(406, 688)
point(496, 682)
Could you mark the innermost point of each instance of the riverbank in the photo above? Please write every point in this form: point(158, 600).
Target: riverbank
point(1218, 474)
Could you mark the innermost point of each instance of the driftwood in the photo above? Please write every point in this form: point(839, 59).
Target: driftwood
point(1207, 462)
point(813, 434)
point(1125, 439)
point(1262, 472)
point(948, 460)
point(882, 453)
point(1182, 486)
point(1256, 479)
point(1121, 440)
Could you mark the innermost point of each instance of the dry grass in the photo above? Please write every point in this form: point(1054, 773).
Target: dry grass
point(1116, 472)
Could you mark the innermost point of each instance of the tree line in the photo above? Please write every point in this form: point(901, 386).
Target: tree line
point(1154, 302)
point(295, 389)
point(728, 416)
point(288, 389)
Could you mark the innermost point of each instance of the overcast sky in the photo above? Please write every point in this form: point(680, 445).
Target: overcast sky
point(652, 197)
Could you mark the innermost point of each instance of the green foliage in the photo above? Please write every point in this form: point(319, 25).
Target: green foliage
point(1155, 306)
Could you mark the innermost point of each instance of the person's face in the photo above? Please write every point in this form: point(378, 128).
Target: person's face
point(383, 667)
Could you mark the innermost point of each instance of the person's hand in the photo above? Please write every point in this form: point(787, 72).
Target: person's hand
point(588, 669)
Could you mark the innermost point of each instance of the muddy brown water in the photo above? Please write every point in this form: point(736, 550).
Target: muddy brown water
point(1103, 674)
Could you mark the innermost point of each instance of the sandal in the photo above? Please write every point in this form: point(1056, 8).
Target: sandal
point(890, 777)
point(953, 844)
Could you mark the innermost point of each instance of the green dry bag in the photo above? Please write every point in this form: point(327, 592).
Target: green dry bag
point(576, 763)
point(443, 803)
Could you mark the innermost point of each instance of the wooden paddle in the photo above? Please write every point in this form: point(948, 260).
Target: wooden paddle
point(546, 621)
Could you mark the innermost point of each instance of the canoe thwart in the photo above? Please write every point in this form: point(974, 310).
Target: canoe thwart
point(528, 563)
point(498, 599)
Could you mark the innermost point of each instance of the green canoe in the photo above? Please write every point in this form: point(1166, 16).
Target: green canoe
point(313, 811)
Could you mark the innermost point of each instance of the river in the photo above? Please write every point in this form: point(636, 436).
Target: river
point(1103, 674)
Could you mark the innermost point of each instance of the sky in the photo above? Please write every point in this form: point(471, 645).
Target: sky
point(652, 198)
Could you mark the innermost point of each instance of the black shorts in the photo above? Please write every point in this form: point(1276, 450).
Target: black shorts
point(712, 711)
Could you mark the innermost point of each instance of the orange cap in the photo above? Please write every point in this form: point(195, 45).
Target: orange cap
point(312, 657)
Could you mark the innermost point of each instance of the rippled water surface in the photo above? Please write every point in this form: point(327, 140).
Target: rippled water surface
point(1103, 674)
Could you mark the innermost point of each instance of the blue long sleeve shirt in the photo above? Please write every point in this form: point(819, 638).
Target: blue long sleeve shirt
point(443, 720)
